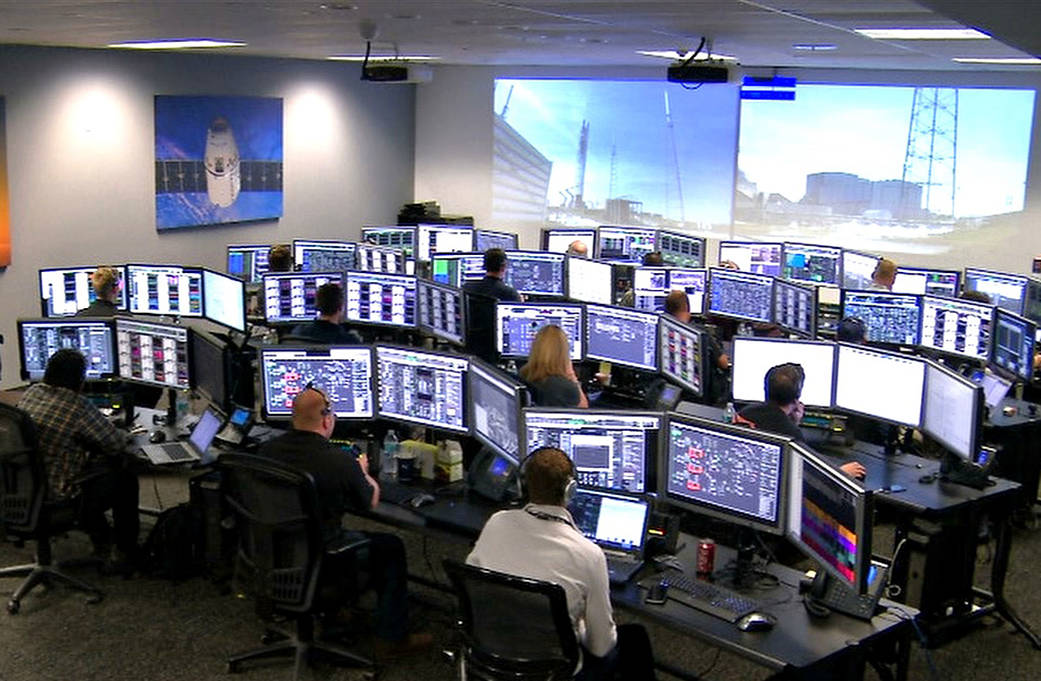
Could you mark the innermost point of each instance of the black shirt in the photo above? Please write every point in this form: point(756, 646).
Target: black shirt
point(326, 333)
point(768, 417)
point(493, 287)
point(337, 475)
point(556, 391)
point(99, 308)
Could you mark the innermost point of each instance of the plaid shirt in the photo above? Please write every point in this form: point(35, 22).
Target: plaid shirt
point(69, 429)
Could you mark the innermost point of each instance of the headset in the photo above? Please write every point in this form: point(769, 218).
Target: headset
point(800, 379)
point(570, 487)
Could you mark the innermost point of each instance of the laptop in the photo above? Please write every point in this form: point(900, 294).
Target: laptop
point(617, 523)
point(194, 449)
point(995, 388)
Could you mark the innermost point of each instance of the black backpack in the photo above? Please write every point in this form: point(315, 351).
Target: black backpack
point(173, 549)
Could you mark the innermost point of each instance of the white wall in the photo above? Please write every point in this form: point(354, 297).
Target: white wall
point(80, 155)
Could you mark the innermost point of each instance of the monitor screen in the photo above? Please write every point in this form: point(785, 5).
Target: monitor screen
point(694, 282)
point(953, 412)
point(344, 374)
point(496, 400)
point(589, 281)
point(890, 318)
point(681, 354)
point(682, 250)
point(164, 289)
point(39, 339)
point(650, 286)
point(921, 281)
point(559, 240)
point(67, 290)
point(957, 326)
point(611, 449)
point(455, 269)
point(880, 384)
point(795, 308)
point(370, 258)
point(535, 273)
point(741, 295)
point(439, 311)
point(209, 369)
point(728, 472)
point(323, 256)
point(224, 300)
point(857, 269)
point(394, 237)
point(813, 262)
point(290, 296)
point(486, 238)
point(622, 335)
point(419, 386)
point(752, 256)
point(248, 261)
point(1012, 344)
point(433, 239)
point(1032, 302)
point(753, 357)
point(517, 323)
point(156, 354)
point(1005, 290)
point(376, 298)
point(625, 244)
point(995, 388)
point(829, 518)
point(611, 521)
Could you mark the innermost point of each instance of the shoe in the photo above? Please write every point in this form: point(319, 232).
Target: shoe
point(411, 644)
point(122, 563)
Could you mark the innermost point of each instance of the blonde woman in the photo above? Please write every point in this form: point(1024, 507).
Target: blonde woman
point(550, 372)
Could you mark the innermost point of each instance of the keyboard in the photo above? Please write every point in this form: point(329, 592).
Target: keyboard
point(177, 452)
point(707, 597)
point(621, 570)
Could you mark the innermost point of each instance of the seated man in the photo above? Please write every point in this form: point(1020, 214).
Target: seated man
point(105, 281)
point(542, 542)
point(280, 258)
point(344, 484)
point(782, 411)
point(884, 275)
point(82, 453)
point(328, 328)
point(717, 387)
point(492, 284)
point(578, 249)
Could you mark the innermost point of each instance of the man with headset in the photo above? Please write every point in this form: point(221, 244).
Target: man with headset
point(541, 541)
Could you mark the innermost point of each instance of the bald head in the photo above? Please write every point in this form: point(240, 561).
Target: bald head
point(578, 249)
point(312, 412)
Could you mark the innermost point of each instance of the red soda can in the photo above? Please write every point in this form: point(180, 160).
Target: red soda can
point(706, 556)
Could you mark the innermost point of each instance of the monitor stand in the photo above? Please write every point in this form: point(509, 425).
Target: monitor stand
point(959, 471)
point(744, 571)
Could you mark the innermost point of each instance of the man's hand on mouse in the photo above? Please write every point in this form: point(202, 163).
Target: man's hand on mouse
point(854, 470)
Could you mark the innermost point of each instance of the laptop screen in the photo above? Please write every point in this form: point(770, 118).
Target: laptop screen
point(611, 521)
point(204, 431)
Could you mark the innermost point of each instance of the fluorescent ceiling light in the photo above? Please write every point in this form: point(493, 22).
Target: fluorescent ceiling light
point(176, 44)
point(815, 47)
point(382, 57)
point(673, 54)
point(922, 33)
point(1014, 61)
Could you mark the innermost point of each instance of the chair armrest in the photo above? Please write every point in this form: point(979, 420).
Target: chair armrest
point(348, 544)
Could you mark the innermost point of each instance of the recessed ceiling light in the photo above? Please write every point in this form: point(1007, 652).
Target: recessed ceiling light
point(922, 33)
point(382, 57)
point(815, 47)
point(1013, 61)
point(673, 54)
point(176, 44)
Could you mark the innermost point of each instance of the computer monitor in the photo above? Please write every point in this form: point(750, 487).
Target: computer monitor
point(960, 327)
point(741, 295)
point(64, 291)
point(1012, 345)
point(559, 239)
point(455, 269)
point(1006, 290)
point(423, 387)
point(517, 323)
point(323, 255)
point(403, 237)
point(650, 286)
point(210, 368)
point(247, 261)
point(880, 384)
point(857, 269)
point(440, 311)
point(681, 354)
point(995, 388)
point(344, 374)
point(829, 518)
point(953, 413)
point(728, 472)
point(1032, 301)
point(694, 282)
point(614, 522)
point(38, 339)
point(612, 449)
point(753, 256)
point(224, 300)
point(536, 273)
point(433, 239)
point(625, 244)
point(813, 262)
point(923, 280)
point(681, 250)
point(164, 289)
point(890, 318)
point(152, 353)
point(753, 357)
point(290, 296)
point(496, 400)
point(589, 281)
point(371, 258)
point(486, 238)
point(623, 336)
point(377, 298)
point(795, 308)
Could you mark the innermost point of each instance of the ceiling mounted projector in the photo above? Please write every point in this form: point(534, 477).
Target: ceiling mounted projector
point(401, 72)
point(698, 72)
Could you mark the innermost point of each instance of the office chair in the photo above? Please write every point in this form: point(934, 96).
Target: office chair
point(512, 628)
point(480, 326)
point(27, 513)
point(280, 555)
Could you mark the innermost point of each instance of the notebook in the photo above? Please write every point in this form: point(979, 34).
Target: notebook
point(194, 449)
point(617, 523)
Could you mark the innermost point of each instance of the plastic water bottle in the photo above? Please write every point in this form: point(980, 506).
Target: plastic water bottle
point(728, 413)
point(388, 457)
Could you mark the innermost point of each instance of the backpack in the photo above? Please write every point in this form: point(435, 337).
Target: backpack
point(173, 550)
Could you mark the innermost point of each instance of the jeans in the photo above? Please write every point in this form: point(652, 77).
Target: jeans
point(107, 484)
point(387, 574)
point(631, 659)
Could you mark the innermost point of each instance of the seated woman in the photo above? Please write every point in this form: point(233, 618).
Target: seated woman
point(550, 373)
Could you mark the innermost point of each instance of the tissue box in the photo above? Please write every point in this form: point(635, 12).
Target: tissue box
point(449, 464)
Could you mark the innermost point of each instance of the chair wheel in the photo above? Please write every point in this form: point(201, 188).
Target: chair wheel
point(231, 668)
point(95, 598)
point(13, 607)
point(370, 675)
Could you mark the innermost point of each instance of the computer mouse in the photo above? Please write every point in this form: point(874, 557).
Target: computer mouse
point(157, 436)
point(421, 500)
point(756, 621)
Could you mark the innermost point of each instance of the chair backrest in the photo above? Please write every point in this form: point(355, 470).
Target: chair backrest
point(280, 538)
point(23, 479)
point(514, 623)
point(480, 326)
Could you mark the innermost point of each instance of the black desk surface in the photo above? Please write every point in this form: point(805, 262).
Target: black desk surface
point(1022, 417)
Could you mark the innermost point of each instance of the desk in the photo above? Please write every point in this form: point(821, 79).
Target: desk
point(1018, 436)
